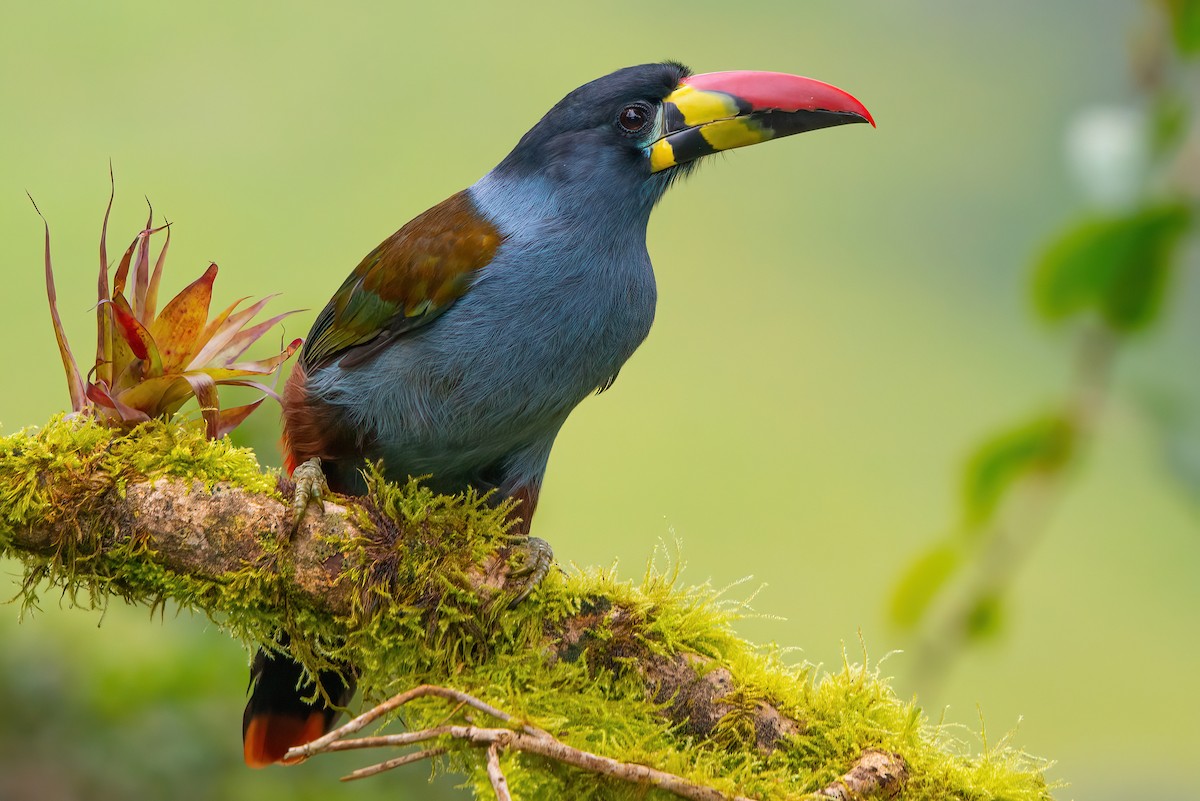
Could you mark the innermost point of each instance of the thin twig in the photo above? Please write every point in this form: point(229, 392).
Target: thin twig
point(407, 759)
point(499, 782)
point(528, 739)
point(397, 701)
point(388, 740)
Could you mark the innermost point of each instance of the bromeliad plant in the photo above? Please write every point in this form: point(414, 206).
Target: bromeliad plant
point(150, 363)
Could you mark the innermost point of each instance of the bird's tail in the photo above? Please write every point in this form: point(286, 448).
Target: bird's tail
point(278, 717)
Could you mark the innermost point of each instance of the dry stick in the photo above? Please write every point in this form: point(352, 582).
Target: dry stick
point(550, 748)
point(394, 740)
point(528, 739)
point(499, 783)
point(407, 759)
point(397, 701)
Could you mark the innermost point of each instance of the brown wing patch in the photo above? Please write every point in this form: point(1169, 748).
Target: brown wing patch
point(408, 280)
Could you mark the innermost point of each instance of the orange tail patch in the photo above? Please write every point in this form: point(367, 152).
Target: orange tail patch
point(269, 736)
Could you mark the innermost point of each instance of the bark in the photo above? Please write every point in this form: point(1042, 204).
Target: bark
point(207, 534)
point(658, 658)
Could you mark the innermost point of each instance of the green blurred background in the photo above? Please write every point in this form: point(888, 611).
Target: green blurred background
point(842, 315)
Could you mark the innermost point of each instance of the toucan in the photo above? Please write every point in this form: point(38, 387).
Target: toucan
point(457, 348)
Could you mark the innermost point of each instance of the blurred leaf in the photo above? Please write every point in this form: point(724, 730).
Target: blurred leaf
point(921, 583)
point(1139, 283)
point(1117, 266)
point(1168, 122)
point(985, 621)
point(1185, 24)
point(1042, 445)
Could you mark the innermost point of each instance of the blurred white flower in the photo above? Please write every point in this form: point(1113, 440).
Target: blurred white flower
point(1108, 151)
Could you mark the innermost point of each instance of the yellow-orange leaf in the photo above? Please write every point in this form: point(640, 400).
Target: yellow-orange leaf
point(217, 338)
point(214, 325)
point(176, 329)
point(149, 395)
point(229, 419)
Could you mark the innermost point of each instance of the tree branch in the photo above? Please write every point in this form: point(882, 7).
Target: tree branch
point(523, 738)
point(209, 533)
point(599, 675)
point(875, 773)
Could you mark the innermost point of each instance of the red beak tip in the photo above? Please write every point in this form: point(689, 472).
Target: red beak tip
point(779, 90)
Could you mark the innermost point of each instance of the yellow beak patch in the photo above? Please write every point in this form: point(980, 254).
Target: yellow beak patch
point(698, 122)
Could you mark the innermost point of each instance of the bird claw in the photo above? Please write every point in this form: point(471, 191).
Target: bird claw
point(311, 489)
point(530, 560)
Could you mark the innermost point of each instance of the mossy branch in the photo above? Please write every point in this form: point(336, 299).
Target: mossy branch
point(408, 587)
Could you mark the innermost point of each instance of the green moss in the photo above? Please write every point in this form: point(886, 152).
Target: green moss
point(417, 619)
point(37, 462)
point(68, 471)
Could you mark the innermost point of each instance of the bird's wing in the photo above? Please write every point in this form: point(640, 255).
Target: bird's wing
point(405, 283)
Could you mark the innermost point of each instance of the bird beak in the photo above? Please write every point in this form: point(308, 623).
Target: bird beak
point(723, 110)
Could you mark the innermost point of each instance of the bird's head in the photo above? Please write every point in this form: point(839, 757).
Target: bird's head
point(634, 131)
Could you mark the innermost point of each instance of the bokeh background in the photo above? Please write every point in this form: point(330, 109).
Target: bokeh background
point(842, 316)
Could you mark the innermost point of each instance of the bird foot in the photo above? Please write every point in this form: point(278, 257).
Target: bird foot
point(529, 559)
point(311, 489)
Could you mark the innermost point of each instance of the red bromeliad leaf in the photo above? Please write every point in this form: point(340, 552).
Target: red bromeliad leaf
point(133, 331)
point(138, 246)
point(141, 270)
point(179, 394)
point(176, 329)
point(205, 390)
point(214, 325)
point(229, 419)
point(263, 388)
point(173, 389)
point(122, 273)
point(104, 324)
point(74, 381)
point(151, 303)
point(101, 396)
point(238, 344)
point(126, 369)
point(97, 394)
point(136, 335)
point(149, 395)
point(222, 374)
point(149, 364)
point(227, 330)
point(263, 366)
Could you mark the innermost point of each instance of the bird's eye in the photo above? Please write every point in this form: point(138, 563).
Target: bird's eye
point(634, 118)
